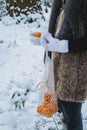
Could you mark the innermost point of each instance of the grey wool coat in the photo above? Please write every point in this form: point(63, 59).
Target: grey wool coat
point(70, 69)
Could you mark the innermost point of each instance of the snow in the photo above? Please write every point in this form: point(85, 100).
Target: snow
point(21, 69)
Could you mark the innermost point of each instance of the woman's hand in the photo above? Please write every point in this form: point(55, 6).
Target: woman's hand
point(35, 40)
point(53, 44)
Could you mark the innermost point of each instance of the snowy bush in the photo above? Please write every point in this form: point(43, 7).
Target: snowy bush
point(2, 8)
point(16, 7)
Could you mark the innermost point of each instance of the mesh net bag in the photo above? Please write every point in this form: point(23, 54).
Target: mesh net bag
point(47, 101)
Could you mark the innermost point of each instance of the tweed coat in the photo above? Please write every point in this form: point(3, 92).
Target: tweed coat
point(70, 69)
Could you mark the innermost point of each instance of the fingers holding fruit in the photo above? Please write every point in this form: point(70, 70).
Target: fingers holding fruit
point(35, 38)
point(41, 39)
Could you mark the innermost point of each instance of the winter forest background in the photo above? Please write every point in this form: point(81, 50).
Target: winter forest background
point(22, 67)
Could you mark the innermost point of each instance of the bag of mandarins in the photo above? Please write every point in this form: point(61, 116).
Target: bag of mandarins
point(47, 101)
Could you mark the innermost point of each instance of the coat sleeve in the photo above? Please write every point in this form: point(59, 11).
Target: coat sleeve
point(53, 17)
point(54, 14)
point(70, 25)
point(73, 10)
point(78, 45)
point(57, 4)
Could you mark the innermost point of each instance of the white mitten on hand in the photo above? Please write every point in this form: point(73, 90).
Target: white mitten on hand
point(45, 35)
point(35, 40)
point(54, 44)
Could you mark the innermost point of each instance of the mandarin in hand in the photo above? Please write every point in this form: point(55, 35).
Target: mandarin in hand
point(37, 34)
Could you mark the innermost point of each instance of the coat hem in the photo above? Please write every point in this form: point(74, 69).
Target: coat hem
point(72, 100)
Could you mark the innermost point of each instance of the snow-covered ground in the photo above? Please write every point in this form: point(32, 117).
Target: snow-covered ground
point(21, 69)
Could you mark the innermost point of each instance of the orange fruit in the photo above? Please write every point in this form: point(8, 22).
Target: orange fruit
point(39, 109)
point(46, 110)
point(53, 108)
point(46, 101)
point(47, 96)
point(49, 114)
point(46, 106)
point(37, 34)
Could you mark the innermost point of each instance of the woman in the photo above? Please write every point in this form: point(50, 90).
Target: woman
point(68, 41)
point(70, 60)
